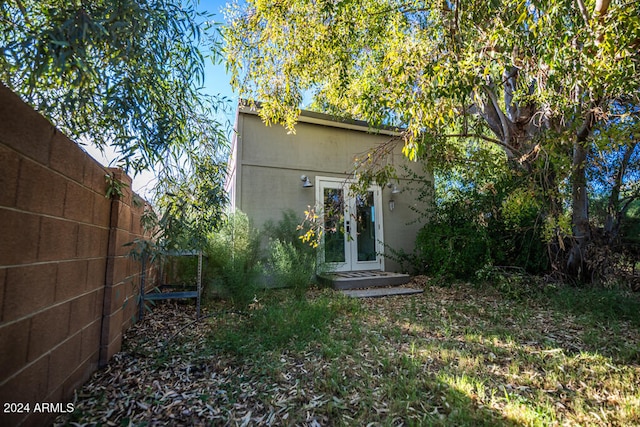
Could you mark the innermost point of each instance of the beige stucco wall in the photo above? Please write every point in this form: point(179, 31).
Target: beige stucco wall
point(270, 162)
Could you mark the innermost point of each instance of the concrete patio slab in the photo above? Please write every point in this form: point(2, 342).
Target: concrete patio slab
point(364, 279)
point(380, 292)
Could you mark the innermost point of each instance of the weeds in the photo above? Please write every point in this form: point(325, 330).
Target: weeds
point(280, 323)
point(290, 263)
point(290, 267)
point(233, 263)
point(459, 355)
point(242, 264)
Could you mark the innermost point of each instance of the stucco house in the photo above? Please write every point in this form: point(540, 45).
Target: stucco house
point(271, 170)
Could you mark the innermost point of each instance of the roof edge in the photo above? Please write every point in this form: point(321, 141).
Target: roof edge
point(313, 117)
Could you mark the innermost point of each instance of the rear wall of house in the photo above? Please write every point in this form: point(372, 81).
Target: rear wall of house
point(271, 162)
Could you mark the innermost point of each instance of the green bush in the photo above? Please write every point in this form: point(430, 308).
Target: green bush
point(290, 262)
point(239, 267)
point(517, 233)
point(471, 227)
point(287, 230)
point(452, 244)
point(290, 266)
point(233, 263)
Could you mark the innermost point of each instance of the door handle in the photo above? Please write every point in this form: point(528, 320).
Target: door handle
point(348, 227)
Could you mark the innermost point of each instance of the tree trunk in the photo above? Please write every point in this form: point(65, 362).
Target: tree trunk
point(576, 264)
point(614, 213)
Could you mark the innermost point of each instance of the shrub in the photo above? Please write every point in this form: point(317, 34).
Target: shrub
point(290, 266)
point(233, 260)
point(239, 269)
point(471, 227)
point(516, 233)
point(289, 263)
point(287, 230)
point(452, 243)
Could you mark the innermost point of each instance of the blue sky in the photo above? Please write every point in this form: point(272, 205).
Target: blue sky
point(216, 82)
point(216, 79)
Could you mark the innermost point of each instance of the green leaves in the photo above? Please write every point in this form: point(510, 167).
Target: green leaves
point(413, 63)
point(192, 204)
point(114, 186)
point(127, 74)
point(124, 73)
point(528, 81)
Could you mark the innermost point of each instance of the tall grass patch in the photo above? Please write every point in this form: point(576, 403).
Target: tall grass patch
point(277, 322)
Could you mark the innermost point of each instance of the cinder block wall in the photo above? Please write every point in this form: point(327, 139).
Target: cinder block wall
point(67, 287)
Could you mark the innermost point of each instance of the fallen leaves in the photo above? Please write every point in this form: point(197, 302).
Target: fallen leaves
point(456, 355)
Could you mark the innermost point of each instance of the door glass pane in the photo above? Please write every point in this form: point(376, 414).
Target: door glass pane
point(366, 219)
point(333, 225)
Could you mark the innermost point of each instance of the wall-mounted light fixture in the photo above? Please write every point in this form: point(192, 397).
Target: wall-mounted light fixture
point(394, 190)
point(305, 181)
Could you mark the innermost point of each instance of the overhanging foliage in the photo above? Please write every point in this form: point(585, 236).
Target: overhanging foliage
point(125, 73)
point(539, 81)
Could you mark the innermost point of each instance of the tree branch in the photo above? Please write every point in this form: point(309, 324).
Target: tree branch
point(24, 12)
point(585, 129)
point(509, 81)
point(627, 202)
point(490, 117)
point(614, 213)
point(506, 128)
point(583, 11)
point(602, 6)
point(507, 147)
point(476, 135)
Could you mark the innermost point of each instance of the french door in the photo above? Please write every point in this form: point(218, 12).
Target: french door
point(352, 238)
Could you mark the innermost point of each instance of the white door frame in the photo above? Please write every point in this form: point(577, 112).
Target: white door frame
point(351, 262)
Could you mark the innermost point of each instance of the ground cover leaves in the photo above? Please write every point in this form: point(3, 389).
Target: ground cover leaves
point(459, 355)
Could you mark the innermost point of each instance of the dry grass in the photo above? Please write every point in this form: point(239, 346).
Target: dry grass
point(456, 355)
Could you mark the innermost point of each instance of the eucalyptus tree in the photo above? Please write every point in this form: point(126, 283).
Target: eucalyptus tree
point(124, 73)
point(128, 74)
point(534, 79)
point(614, 169)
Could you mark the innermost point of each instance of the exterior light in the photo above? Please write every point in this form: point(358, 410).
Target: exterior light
point(305, 181)
point(394, 188)
point(392, 204)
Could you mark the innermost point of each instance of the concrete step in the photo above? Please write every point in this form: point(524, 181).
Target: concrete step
point(380, 292)
point(364, 279)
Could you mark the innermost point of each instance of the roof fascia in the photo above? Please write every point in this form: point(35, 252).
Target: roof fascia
point(313, 117)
